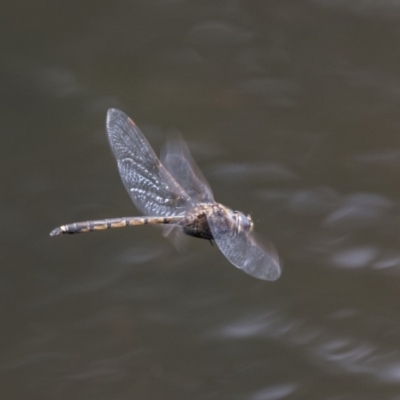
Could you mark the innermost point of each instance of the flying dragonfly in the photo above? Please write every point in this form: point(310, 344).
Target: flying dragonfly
point(174, 192)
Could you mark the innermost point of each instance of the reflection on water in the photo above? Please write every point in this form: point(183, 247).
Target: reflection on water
point(274, 392)
point(359, 210)
point(252, 172)
point(356, 257)
point(320, 345)
point(292, 111)
point(348, 226)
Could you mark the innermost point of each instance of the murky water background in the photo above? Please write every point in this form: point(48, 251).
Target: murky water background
point(292, 112)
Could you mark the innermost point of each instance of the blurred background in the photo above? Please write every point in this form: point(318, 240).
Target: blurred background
point(291, 111)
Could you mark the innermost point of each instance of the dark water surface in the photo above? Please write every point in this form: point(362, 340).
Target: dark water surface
point(292, 111)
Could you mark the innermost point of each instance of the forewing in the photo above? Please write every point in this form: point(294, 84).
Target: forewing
point(151, 187)
point(244, 251)
point(179, 162)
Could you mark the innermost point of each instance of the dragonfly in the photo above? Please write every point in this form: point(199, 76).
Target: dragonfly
point(175, 192)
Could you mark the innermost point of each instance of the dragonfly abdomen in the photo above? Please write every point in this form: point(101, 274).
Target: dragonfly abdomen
point(99, 225)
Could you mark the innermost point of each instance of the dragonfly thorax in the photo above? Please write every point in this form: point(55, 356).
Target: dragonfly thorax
point(197, 220)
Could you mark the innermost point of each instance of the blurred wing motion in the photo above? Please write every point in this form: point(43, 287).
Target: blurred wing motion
point(243, 251)
point(180, 164)
point(151, 187)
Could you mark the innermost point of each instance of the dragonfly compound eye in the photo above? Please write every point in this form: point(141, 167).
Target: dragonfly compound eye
point(244, 222)
point(251, 222)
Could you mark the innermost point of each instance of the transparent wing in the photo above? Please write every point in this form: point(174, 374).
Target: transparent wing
point(179, 162)
point(244, 251)
point(151, 187)
point(176, 236)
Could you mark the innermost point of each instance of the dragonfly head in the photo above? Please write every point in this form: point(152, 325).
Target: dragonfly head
point(243, 222)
